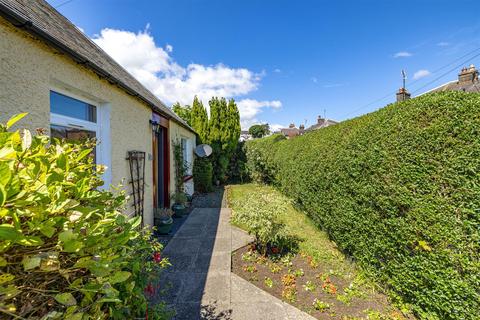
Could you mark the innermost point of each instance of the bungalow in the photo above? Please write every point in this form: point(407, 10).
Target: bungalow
point(73, 89)
point(467, 81)
point(322, 123)
point(292, 131)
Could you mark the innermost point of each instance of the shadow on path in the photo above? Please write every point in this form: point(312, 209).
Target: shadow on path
point(197, 285)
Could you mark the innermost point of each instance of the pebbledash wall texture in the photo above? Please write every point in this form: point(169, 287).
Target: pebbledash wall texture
point(30, 69)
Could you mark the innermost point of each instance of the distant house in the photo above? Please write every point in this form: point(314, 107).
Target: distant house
point(245, 135)
point(292, 130)
point(468, 81)
point(322, 123)
point(73, 89)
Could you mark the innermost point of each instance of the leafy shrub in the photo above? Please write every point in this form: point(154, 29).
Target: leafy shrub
point(180, 166)
point(66, 250)
point(202, 175)
point(237, 169)
point(399, 190)
point(261, 164)
point(258, 214)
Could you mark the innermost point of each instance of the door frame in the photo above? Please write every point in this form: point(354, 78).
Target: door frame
point(164, 123)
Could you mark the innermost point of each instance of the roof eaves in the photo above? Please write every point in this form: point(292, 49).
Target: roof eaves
point(438, 88)
point(20, 22)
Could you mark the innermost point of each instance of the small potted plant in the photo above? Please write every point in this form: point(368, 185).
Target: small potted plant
point(179, 200)
point(163, 220)
point(189, 198)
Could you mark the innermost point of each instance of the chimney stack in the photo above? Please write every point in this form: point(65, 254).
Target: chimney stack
point(468, 75)
point(402, 95)
point(292, 125)
point(320, 120)
point(302, 127)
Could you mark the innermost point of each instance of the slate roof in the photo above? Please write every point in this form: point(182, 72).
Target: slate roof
point(468, 81)
point(290, 132)
point(43, 21)
point(323, 123)
point(457, 86)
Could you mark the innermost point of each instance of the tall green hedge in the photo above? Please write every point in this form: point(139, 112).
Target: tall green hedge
point(398, 190)
point(202, 175)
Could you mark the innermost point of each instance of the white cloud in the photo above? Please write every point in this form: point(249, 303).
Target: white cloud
point(314, 79)
point(277, 70)
point(402, 54)
point(249, 108)
point(421, 74)
point(157, 70)
point(276, 127)
point(443, 44)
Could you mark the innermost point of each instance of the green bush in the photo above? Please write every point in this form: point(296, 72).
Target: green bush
point(259, 215)
point(202, 175)
point(237, 169)
point(66, 250)
point(399, 190)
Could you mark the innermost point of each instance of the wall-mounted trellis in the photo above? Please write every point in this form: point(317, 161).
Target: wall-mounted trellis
point(136, 160)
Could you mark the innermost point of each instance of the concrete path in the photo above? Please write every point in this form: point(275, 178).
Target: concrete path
point(200, 285)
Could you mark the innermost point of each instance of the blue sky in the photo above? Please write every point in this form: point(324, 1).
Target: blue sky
point(283, 61)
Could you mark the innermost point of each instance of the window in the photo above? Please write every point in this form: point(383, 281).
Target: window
point(72, 119)
point(73, 108)
point(76, 120)
point(186, 154)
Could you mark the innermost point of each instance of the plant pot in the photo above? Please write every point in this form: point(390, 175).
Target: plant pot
point(189, 197)
point(163, 225)
point(179, 210)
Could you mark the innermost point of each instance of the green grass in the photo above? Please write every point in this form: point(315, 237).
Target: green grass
point(313, 241)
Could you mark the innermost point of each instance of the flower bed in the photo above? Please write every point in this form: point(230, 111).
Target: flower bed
point(311, 286)
point(312, 275)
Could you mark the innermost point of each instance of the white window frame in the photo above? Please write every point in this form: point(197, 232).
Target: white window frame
point(188, 157)
point(101, 129)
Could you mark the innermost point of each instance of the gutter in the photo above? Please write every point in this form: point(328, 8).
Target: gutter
point(22, 23)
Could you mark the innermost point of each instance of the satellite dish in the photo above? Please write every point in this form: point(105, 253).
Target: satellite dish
point(203, 150)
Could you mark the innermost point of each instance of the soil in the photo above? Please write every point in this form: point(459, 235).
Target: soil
point(338, 298)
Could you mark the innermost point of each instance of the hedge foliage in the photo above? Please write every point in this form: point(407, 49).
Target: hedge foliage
point(397, 189)
point(202, 175)
point(66, 250)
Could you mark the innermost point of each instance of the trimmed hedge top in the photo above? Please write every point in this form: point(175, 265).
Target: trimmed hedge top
point(397, 189)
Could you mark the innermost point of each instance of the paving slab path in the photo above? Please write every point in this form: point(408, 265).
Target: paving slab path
point(200, 284)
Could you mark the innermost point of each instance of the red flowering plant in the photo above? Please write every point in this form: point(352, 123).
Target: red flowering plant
point(66, 249)
point(146, 265)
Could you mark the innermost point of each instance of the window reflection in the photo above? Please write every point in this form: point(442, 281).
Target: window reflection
point(70, 107)
point(74, 135)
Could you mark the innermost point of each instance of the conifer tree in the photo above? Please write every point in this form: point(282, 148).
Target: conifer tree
point(234, 125)
point(184, 112)
point(199, 120)
point(214, 124)
point(224, 132)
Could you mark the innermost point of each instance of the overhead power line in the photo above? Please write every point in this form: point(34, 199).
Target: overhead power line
point(444, 74)
point(63, 3)
point(427, 84)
